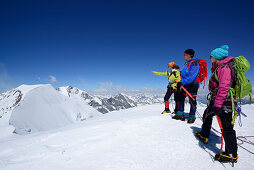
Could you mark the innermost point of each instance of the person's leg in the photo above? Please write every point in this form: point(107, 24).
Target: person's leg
point(181, 100)
point(229, 134)
point(193, 90)
point(166, 98)
point(207, 122)
point(180, 113)
point(176, 102)
point(206, 126)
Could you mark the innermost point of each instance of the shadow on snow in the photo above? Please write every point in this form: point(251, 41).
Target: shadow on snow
point(212, 141)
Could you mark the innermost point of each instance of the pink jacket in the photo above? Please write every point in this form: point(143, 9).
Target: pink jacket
point(224, 84)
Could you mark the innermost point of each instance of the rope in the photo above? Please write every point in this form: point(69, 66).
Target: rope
point(221, 129)
point(242, 139)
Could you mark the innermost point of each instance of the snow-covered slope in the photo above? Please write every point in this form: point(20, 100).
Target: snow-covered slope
point(102, 104)
point(105, 104)
point(10, 99)
point(144, 99)
point(39, 108)
point(8, 102)
point(28, 107)
point(138, 138)
point(246, 100)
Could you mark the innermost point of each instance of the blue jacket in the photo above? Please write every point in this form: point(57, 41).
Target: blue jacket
point(190, 74)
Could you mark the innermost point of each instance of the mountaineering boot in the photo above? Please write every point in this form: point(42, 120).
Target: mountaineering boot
point(166, 108)
point(166, 111)
point(179, 116)
point(216, 157)
point(191, 119)
point(225, 158)
point(201, 138)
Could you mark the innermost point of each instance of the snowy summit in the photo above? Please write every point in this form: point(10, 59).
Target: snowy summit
point(138, 138)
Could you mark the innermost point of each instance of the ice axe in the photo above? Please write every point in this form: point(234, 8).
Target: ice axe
point(185, 91)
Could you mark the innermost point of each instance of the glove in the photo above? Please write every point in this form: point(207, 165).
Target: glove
point(178, 87)
point(217, 110)
point(179, 84)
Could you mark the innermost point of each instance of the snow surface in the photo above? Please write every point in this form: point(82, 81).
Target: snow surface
point(44, 108)
point(33, 108)
point(26, 88)
point(64, 90)
point(139, 138)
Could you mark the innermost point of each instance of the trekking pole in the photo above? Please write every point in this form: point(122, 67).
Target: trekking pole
point(220, 124)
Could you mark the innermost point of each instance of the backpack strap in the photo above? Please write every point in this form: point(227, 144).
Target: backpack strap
point(174, 73)
point(231, 94)
point(233, 76)
point(215, 72)
point(189, 68)
point(191, 63)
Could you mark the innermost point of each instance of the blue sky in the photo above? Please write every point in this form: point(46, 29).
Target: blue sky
point(96, 44)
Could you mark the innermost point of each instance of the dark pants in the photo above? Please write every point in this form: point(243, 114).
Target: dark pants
point(229, 134)
point(170, 91)
point(193, 90)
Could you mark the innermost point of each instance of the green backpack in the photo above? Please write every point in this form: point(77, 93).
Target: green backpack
point(242, 86)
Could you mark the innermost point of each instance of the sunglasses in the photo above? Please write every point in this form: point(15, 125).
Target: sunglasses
point(185, 54)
